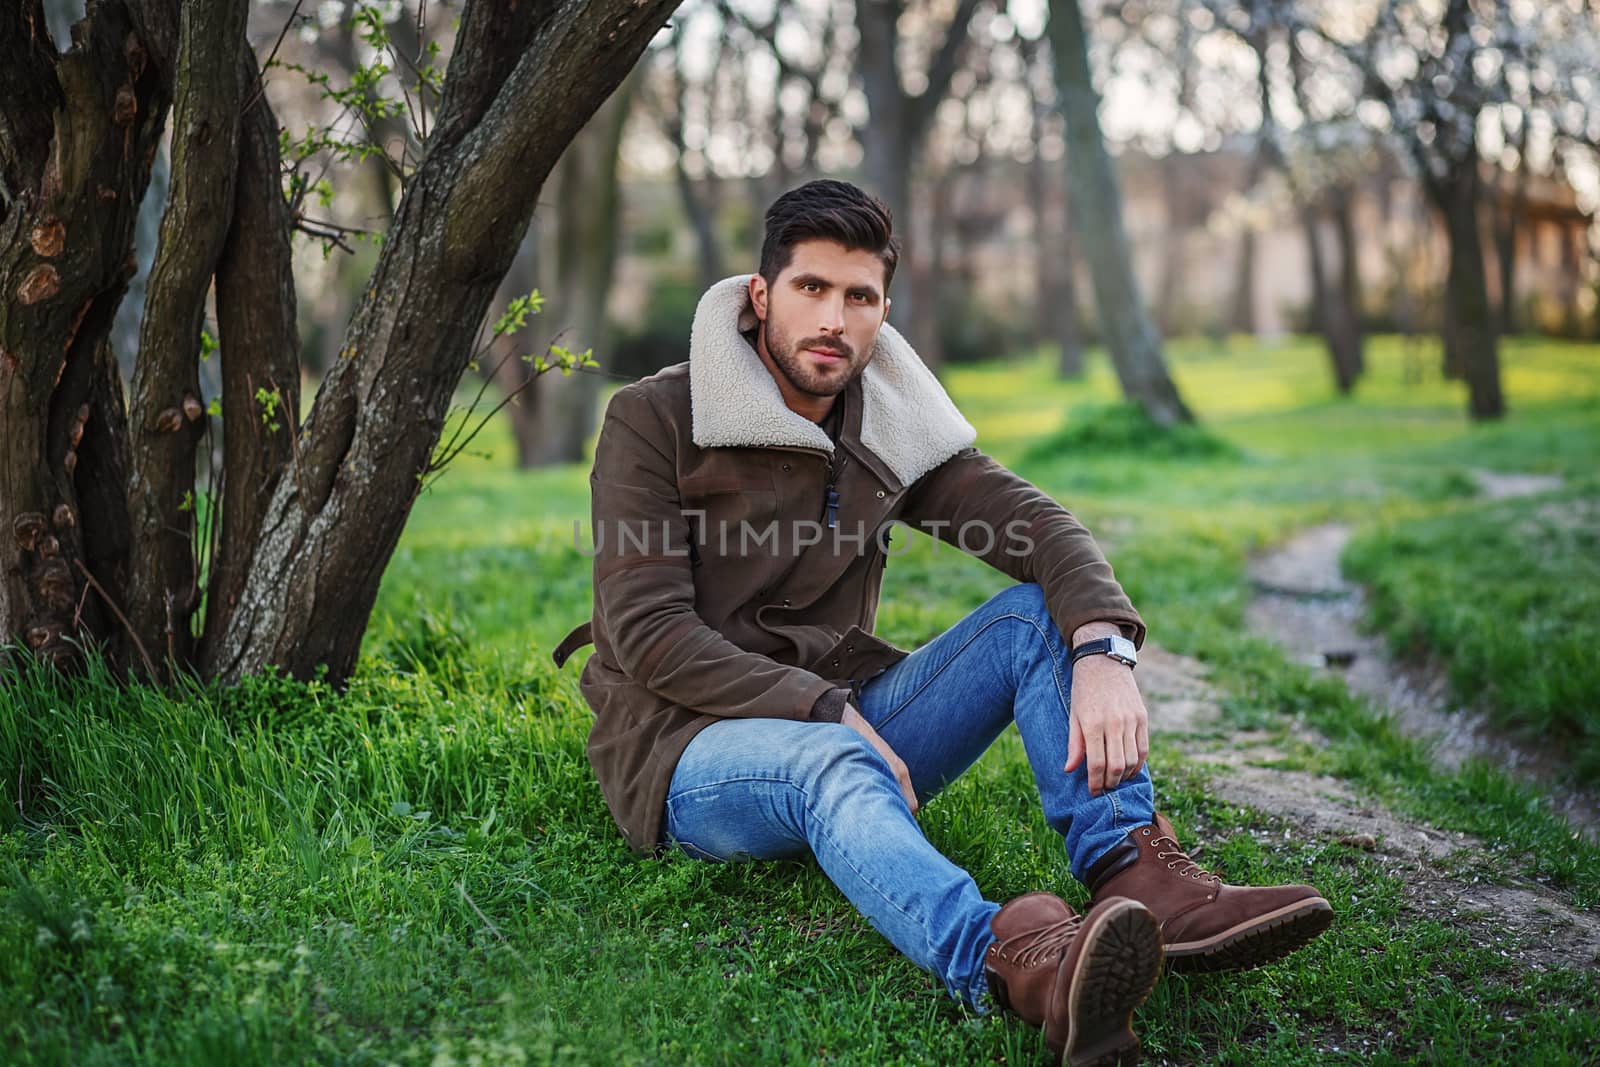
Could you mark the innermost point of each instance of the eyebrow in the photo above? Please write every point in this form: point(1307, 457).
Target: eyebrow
point(817, 279)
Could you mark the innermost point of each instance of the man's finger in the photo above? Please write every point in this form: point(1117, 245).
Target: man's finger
point(1143, 734)
point(1114, 762)
point(907, 788)
point(1132, 758)
point(1074, 745)
point(1094, 744)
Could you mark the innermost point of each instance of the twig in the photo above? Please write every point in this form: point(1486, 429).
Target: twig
point(261, 75)
point(333, 232)
point(112, 604)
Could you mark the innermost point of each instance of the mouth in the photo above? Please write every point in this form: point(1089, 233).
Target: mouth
point(827, 355)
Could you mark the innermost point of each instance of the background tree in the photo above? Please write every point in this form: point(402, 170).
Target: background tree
point(98, 509)
point(902, 97)
point(1426, 66)
point(1096, 197)
point(1055, 256)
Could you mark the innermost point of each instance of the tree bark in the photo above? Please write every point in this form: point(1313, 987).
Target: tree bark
point(1096, 202)
point(259, 347)
point(1507, 216)
point(524, 79)
point(1331, 315)
point(1334, 304)
point(1350, 288)
point(77, 135)
point(88, 503)
point(165, 407)
point(1471, 318)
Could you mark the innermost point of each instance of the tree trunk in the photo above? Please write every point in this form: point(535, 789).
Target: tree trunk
point(589, 206)
point(1096, 203)
point(1055, 299)
point(258, 346)
point(1055, 295)
point(78, 133)
point(1332, 317)
point(165, 407)
point(1170, 287)
point(1241, 313)
point(1505, 246)
point(892, 141)
point(698, 210)
point(1472, 327)
point(85, 558)
point(1242, 304)
point(1344, 228)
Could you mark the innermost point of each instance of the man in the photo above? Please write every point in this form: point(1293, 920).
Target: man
point(745, 710)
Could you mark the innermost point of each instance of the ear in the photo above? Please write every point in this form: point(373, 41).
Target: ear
point(886, 305)
point(758, 295)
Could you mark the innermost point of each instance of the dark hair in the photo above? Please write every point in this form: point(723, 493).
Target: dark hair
point(828, 210)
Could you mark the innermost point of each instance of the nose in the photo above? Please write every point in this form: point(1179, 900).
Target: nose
point(833, 314)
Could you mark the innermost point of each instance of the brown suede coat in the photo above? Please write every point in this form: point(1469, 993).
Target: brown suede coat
point(718, 590)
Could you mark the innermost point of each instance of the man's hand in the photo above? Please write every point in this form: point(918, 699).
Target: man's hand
point(852, 718)
point(1110, 727)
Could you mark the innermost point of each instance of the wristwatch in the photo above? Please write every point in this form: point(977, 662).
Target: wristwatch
point(1117, 647)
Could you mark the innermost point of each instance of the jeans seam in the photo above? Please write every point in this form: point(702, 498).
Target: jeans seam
point(1055, 665)
point(722, 782)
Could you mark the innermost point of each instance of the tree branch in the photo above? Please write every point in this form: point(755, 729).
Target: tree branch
point(29, 97)
point(944, 66)
point(517, 91)
point(166, 408)
point(259, 347)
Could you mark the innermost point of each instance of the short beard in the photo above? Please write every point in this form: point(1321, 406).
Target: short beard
point(786, 356)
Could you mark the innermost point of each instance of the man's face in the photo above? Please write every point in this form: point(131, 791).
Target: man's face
point(821, 316)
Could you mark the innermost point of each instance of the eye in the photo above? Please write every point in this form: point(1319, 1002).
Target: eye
point(810, 286)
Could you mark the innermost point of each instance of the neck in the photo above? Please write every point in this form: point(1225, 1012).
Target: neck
point(797, 400)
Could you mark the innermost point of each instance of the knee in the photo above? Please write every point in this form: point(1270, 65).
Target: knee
point(1025, 598)
point(838, 761)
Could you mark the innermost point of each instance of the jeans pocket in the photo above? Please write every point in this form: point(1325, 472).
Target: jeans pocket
point(670, 839)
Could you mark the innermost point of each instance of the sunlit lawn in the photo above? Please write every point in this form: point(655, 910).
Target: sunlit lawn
point(422, 870)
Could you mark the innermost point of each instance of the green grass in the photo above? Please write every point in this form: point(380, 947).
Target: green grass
point(1508, 594)
point(422, 870)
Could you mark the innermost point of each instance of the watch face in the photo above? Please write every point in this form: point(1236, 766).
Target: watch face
point(1123, 649)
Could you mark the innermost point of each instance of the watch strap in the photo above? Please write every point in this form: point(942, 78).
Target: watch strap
point(1100, 646)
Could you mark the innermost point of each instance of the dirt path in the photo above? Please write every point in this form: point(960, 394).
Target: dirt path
point(1304, 603)
point(1450, 875)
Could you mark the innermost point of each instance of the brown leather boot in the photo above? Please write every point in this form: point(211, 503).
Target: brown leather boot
point(1206, 924)
point(1078, 976)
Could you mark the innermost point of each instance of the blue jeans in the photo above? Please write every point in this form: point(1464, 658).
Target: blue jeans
point(773, 788)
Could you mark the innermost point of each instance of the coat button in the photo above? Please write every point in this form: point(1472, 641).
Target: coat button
point(835, 663)
point(880, 494)
point(785, 601)
point(849, 648)
point(786, 467)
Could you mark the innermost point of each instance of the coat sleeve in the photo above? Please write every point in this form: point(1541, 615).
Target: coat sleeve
point(644, 587)
point(989, 512)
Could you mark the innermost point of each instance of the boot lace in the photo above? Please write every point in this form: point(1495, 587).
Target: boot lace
point(1035, 946)
point(1178, 860)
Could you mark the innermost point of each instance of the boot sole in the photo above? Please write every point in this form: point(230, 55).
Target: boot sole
point(1250, 944)
point(1118, 969)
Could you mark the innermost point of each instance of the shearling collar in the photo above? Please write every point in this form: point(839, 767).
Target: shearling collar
point(907, 419)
